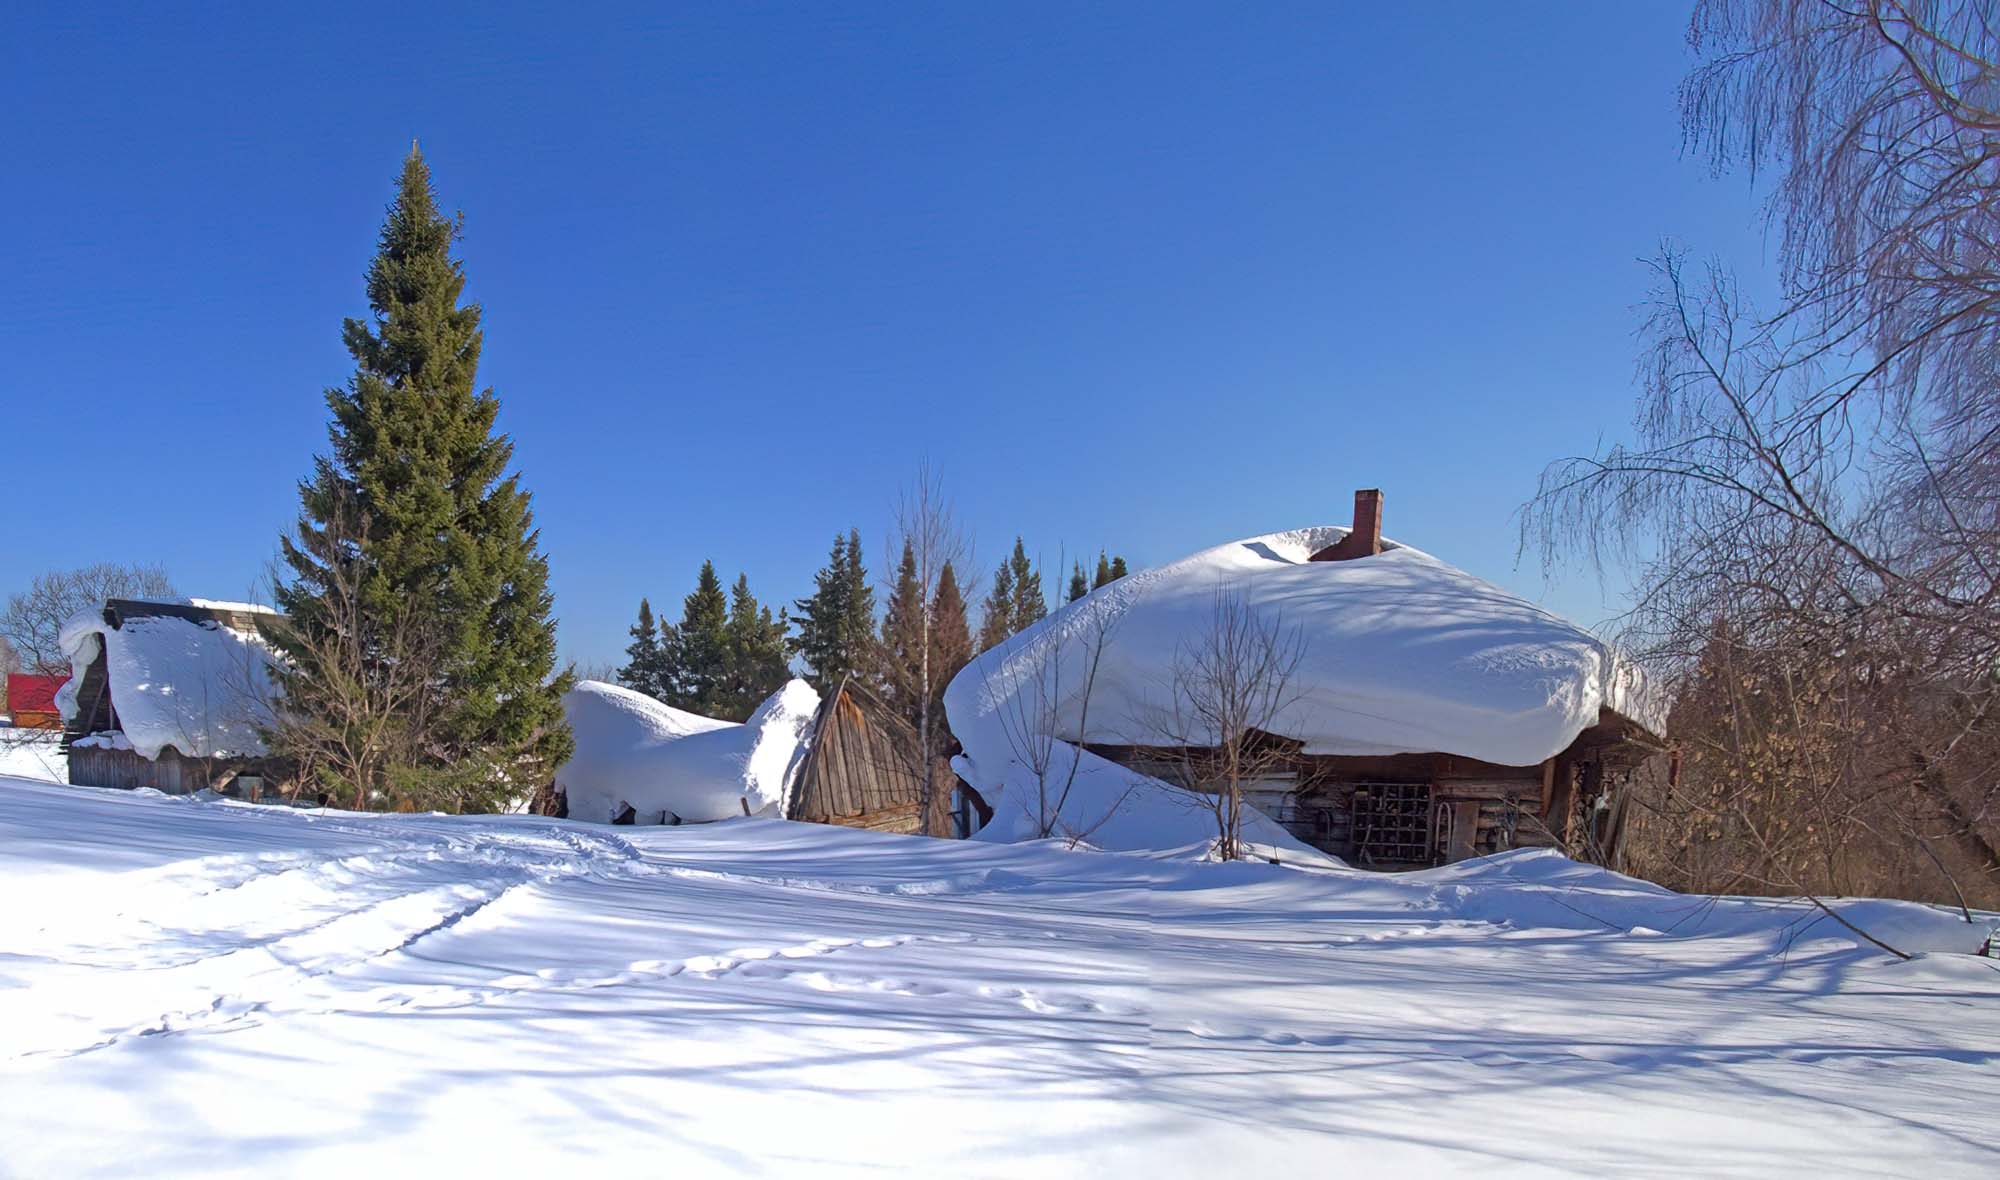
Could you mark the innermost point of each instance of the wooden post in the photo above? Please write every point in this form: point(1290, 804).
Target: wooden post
point(1562, 790)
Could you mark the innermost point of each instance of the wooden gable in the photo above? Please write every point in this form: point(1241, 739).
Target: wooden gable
point(863, 770)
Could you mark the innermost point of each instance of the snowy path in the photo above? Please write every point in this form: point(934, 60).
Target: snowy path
point(221, 989)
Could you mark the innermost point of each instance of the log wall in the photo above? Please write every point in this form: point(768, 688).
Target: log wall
point(171, 772)
point(1476, 808)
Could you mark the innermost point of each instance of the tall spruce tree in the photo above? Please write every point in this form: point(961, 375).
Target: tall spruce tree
point(754, 653)
point(1103, 574)
point(837, 624)
point(905, 636)
point(645, 658)
point(996, 613)
point(1078, 584)
point(697, 657)
point(1027, 607)
point(415, 509)
point(858, 625)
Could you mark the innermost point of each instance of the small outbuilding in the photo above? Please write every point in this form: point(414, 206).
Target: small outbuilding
point(864, 769)
point(31, 700)
point(171, 695)
point(846, 758)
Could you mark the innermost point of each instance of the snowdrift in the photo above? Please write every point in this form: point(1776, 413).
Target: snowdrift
point(1107, 806)
point(782, 999)
point(671, 766)
point(1540, 888)
point(204, 688)
point(1402, 653)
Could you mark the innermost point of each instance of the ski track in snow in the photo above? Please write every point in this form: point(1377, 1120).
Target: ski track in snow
point(1063, 1013)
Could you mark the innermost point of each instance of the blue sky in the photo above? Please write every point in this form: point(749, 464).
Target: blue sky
point(1146, 277)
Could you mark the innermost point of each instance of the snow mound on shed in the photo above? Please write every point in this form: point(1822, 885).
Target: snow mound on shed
point(203, 688)
point(671, 766)
point(1402, 653)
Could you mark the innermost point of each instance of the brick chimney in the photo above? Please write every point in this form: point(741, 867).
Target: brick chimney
point(1366, 539)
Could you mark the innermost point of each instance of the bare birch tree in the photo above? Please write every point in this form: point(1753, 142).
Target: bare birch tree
point(915, 668)
point(1036, 709)
point(1811, 501)
point(356, 697)
point(1230, 681)
point(32, 623)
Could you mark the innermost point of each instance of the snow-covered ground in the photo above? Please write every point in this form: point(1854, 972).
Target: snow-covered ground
point(210, 988)
point(33, 754)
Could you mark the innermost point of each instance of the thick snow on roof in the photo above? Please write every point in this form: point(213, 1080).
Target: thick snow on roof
point(202, 688)
point(248, 608)
point(217, 604)
point(670, 765)
point(1398, 653)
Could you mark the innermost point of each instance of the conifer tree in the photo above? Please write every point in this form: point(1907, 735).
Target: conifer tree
point(837, 624)
point(905, 632)
point(1078, 584)
point(1028, 606)
point(754, 658)
point(698, 655)
point(817, 642)
point(645, 659)
point(1103, 574)
point(415, 509)
point(996, 613)
point(951, 636)
point(1117, 568)
point(858, 626)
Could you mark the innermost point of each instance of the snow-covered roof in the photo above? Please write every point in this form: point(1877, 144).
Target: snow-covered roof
point(670, 765)
point(202, 687)
point(208, 604)
point(1398, 653)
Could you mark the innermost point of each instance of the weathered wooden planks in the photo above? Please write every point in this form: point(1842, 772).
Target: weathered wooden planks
point(863, 769)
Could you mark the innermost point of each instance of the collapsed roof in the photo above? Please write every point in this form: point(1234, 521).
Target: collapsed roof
point(671, 766)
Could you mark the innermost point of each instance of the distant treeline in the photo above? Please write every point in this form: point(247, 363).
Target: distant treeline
point(729, 651)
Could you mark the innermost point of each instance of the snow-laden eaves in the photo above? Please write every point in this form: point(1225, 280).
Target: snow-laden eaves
point(203, 688)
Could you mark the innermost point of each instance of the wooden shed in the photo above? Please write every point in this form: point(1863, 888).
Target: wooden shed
point(168, 695)
point(863, 770)
point(31, 700)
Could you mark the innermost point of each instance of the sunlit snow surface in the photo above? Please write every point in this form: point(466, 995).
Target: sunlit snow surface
point(33, 753)
point(208, 988)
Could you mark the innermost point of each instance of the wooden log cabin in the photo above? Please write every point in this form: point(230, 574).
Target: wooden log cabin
point(1410, 811)
point(1397, 806)
point(862, 770)
point(167, 695)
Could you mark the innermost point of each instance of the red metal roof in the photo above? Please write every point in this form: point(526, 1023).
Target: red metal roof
point(32, 694)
